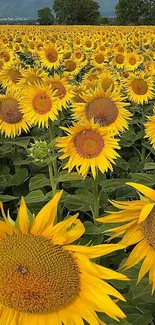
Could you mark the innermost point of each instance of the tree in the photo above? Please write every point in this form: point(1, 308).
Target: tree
point(45, 16)
point(103, 20)
point(135, 12)
point(76, 12)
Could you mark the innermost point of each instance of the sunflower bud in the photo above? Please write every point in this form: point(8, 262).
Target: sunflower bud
point(38, 150)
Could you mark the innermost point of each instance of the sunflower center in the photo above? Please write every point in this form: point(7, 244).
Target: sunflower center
point(14, 75)
point(42, 103)
point(132, 61)
point(106, 83)
point(61, 91)
point(119, 58)
point(147, 228)
point(52, 55)
point(70, 65)
point(139, 86)
point(9, 111)
point(99, 58)
point(36, 276)
point(88, 144)
point(5, 56)
point(103, 110)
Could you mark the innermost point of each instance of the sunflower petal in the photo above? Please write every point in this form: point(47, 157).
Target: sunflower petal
point(145, 211)
point(147, 191)
point(23, 218)
point(46, 216)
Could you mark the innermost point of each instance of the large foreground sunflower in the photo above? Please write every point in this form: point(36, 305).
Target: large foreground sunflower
point(44, 280)
point(139, 219)
point(105, 107)
point(88, 146)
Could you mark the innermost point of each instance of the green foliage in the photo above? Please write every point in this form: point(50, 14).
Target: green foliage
point(135, 12)
point(45, 16)
point(76, 12)
point(103, 20)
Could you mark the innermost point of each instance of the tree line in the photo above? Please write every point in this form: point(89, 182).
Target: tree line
point(86, 12)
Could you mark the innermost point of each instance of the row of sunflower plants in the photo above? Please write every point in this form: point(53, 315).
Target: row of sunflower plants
point(77, 175)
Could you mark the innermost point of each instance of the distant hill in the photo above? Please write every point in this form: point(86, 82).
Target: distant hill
point(28, 8)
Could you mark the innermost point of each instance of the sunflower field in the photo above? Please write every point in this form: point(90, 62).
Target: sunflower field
point(77, 175)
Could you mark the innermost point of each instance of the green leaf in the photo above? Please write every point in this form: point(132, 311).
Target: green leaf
point(38, 181)
point(18, 161)
point(112, 184)
point(149, 166)
point(66, 177)
point(35, 196)
point(20, 175)
point(20, 142)
point(93, 229)
point(143, 178)
point(5, 198)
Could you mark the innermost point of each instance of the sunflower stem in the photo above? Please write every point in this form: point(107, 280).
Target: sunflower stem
point(53, 183)
point(143, 148)
point(96, 199)
point(52, 136)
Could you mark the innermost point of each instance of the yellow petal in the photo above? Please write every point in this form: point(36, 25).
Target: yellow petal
point(94, 251)
point(76, 232)
point(147, 264)
point(147, 191)
point(23, 217)
point(46, 216)
point(145, 211)
point(58, 232)
point(137, 254)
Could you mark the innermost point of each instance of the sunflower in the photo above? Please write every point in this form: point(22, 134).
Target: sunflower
point(72, 67)
point(108, 79)
point(63, 91)
point(12, 120)
point(10, 75)
point(139, 88)
point(50, 56)
point(139, 219)
point(132, 61)
point(149, 129)
point(88, 146)
point(39, 104)
point(32, 76)
point(118, 60)
point(44, 279)
point(7, 55)
point(98, 59)
point(106, 107)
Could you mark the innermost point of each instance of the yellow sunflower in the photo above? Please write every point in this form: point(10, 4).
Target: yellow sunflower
point(50, 56)
point(10, 75)
point(32, 76)
point(39, 104)
point(118, 60)
point(7, 55)
point(88, 146)
point(132, 61)
point(139, 88)
point(98, 59)
point(105, 107)
point(149, 129)
point(12, 120)
point(63, 90)
point(139, 219)
point(72, 67)
point(44, 279)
